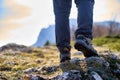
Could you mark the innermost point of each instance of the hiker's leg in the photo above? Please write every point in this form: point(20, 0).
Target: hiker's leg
point(62, 30)
point(85, 17)
point(84, 32)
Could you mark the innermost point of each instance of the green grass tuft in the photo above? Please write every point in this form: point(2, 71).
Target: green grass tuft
point(112, 42)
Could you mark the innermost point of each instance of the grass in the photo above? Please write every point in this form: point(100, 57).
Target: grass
point(12, 65)
point(38, 58)
point(112, 42)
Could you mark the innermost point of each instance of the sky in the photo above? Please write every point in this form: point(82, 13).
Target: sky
point(0, 9)
point(22, 20)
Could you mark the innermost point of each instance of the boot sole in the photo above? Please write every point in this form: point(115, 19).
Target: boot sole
point(81, 46)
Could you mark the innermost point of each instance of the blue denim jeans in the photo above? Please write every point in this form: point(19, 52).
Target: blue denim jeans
point(62, 10)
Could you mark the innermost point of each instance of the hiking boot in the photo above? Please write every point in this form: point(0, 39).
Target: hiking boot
point(64, 55)
point(84, 44)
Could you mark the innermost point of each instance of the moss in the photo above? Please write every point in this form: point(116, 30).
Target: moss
point(112, 42)
point(114, 46)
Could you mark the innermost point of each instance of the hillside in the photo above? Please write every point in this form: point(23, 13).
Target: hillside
point(43, 64)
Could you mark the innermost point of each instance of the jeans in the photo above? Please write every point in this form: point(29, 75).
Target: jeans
point(62, 10)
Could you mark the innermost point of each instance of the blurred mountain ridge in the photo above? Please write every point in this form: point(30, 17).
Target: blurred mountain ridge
point(104, 28)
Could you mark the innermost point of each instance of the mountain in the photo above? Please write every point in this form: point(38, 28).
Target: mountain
point(107, 23)
point(48, 34)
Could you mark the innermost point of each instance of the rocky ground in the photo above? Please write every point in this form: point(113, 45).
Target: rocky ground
point(18, 62)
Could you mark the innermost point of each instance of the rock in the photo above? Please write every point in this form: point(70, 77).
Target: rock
point(15, 48)
point(73, 64)
point(84, 64)
point(70, 75)
point(117, 72)
point(78, 53)
point(12, 63)
point(96, 76)
point(30, 70)
point(45, 69)
point(32, 77)
point(76, 75)
point(105, 67)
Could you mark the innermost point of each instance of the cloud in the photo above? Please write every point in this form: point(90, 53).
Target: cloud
point(107, 10)
point(6, 28)
point(12, 12)
point(114, 8)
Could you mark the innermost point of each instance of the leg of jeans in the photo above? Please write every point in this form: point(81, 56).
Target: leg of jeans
point(62, 10)
point(85, 17)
